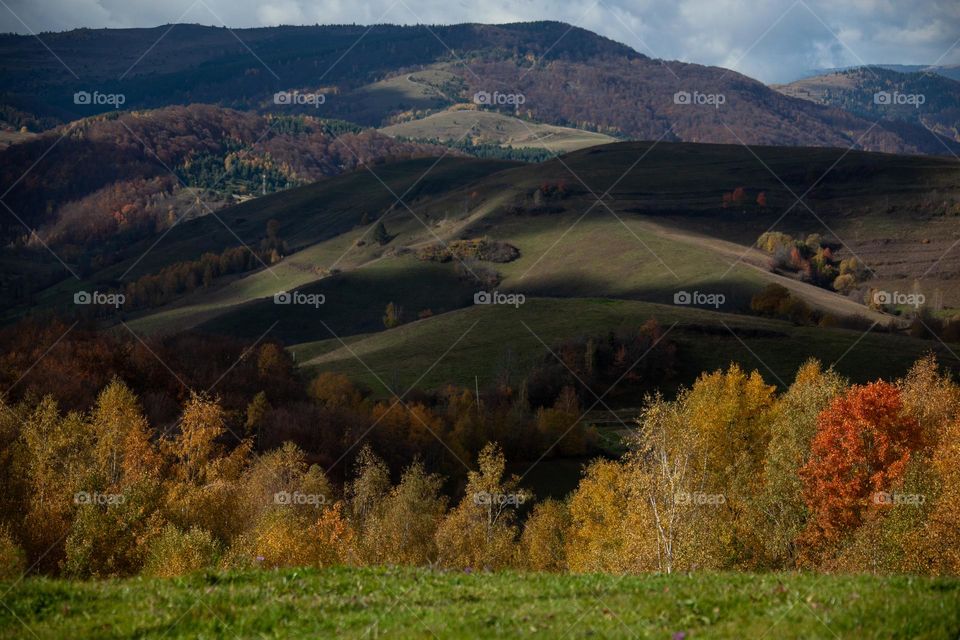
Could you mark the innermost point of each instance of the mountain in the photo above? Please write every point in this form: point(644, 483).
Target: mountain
point(951, 71)
point(918, 98)
point(555, 74)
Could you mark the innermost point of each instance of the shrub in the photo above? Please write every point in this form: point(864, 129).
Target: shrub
point(13, 561)
point(175, 553)
point(773, 240)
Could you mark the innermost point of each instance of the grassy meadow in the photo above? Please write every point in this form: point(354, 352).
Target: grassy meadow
point(420, 603)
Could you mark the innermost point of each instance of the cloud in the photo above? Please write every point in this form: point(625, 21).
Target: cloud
point(772, 41)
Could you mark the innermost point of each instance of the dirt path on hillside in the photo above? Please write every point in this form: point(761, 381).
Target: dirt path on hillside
point(758, 260)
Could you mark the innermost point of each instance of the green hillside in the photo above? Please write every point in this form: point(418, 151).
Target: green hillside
point(483, 339)
point(663, 227)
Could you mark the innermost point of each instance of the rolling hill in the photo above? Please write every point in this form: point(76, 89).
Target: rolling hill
point(665, 226)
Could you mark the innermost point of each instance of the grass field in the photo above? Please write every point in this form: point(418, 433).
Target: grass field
point(496, 128)
point(480, 337)
point(415, 603)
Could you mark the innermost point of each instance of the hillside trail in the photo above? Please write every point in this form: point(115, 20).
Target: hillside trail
point(755, 259)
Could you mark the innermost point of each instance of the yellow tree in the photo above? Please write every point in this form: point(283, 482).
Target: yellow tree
point(204, 487)
point(730, 414)
point(597, 538)
point(784, 513)
point(406, 526)
point(543, 542)
point(938, 541)
point(334, 390)
point(121, 492)
point(667, 470)
point(52, 459)
point(289, 515)
point(481, 531)
point(366, 494)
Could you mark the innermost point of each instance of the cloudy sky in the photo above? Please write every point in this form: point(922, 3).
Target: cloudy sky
point(772, 40)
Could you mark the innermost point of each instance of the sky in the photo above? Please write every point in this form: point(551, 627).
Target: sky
point(773, 40)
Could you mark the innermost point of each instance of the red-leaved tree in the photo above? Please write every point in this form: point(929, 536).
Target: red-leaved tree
point(862, 446)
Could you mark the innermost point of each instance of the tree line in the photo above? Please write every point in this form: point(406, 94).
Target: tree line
point(729, 474)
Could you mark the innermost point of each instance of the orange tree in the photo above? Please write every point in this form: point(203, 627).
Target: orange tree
point(862, 446)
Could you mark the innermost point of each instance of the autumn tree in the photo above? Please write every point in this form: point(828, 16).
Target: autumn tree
point(481, 531)
point(597, 539)
point(404, 529)
point(117, 509)
point(256, 415)
point(204, 485)
point(792, 430)
point(290, 515)
point(543, 543)
point(862, 446)
point(333, 390)
point(365, 496)
point(392, 315)
point(51, 460)
point(938, 542)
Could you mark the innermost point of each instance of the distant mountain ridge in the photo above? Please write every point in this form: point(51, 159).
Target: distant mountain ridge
point(921, 98)
point(951, 71)
point(568, 76)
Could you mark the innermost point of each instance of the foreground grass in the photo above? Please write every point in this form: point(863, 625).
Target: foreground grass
point(416, 603)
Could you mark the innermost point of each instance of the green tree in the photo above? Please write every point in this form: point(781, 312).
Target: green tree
point(381, 235)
